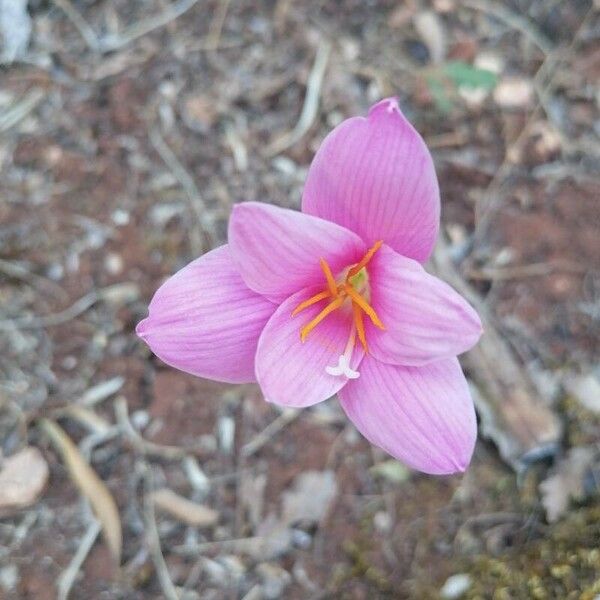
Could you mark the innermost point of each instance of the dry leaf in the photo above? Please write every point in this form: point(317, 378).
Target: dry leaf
point(23, 477)
point(568, 481)
point(90, 485)
point(310, 498)
point(252, 496)
point(184, 510)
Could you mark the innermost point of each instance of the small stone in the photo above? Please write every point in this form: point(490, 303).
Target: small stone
point(586, 389)
point(285, 165)
point(161, 214)
point(120, 217)
point(226, 434)
point(199, 112)
point(513, 93)
point(382, 521)
point(490, 61)
point(301, 539)
point(113, 263)
point(140, 419)
point(456, 586)
point(235, 567)
point(55, 272)
point(275, 580)
point(69, 362)
point(9, 578)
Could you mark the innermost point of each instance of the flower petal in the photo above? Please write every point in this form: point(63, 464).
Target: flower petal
point(277, 250)
point(376, 177)
point(292, 373)
point(423, 416)
point(424, 318)
point(204, 320)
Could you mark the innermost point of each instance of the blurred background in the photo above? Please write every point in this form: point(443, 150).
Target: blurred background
point(128, 129)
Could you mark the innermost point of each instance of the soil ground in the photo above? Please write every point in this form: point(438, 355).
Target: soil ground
point(126, 154)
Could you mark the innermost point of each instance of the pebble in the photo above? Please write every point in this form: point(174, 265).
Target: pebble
point(120, 217)
point(514, 92)
point(456, 586)
point(226, 434)
point(113, 263)
point(275, 580)
point(9, 577)
point(382, 521)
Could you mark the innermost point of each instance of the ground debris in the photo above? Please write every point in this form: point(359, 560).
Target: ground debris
point(184, 510)
point(310, 497)
point(90, 485)
point(573, 480)
point(23, 477)
point(513, 413)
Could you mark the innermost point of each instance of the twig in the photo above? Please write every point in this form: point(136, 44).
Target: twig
point(238, 149)
point(68, 576)
point(16, 271)
point(216, 27)
point(153, 539)
point(513, 20)
point(85, 416)
point(196, 204)
point(83, 27)
point(19, 111)
point(274, 427)
point(101, 391)
point(145, 26)
point(139, 443)
point(235, 545)
point(448, 140)
point(72, 312)
point(521, 271)
point(311, 102)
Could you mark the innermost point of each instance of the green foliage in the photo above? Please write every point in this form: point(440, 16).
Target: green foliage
point(444, 81)
point(465, 75)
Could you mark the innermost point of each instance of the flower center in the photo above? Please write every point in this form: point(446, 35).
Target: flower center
point(351, 287)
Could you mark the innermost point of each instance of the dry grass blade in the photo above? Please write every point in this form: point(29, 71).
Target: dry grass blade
point(68, 576)
point(90, 485)
point(311, 102)
point(184, 510)
point(145, 26)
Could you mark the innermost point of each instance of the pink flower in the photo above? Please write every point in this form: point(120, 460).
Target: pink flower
point(334, 300)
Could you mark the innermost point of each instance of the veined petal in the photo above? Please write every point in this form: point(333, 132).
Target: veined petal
point(425, 319)
point(291, 372)
point(204, 320)
point(423, 416)
point(278, 251)
point(376, 177)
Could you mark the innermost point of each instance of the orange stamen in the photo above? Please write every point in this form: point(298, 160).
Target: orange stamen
point(360, 326)
point(329, 276)
point(365, 259)
point(358, 299)
point(333, 305)
point(313, 300)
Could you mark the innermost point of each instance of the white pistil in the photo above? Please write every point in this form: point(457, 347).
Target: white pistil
point(343, 369)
